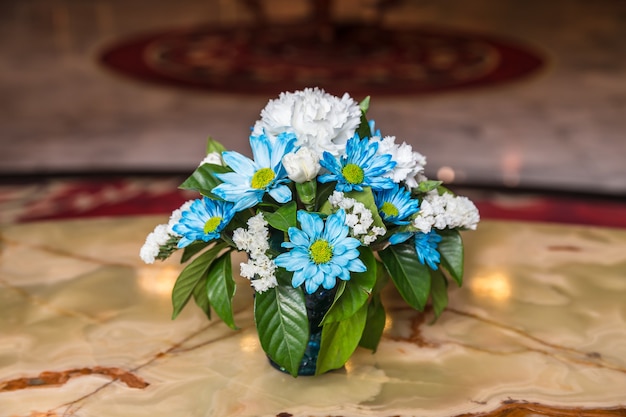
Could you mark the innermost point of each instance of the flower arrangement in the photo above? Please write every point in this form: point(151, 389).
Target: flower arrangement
point(327, 207)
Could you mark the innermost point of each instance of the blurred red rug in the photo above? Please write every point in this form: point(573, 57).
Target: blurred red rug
point(359, 59)
point(66, 199)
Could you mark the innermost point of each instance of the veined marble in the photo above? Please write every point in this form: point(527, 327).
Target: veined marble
point(539, 327)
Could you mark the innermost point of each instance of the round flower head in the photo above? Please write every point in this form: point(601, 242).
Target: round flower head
point(359, 167)
point(319, 120)
point(395, 205)
point(203, 220)
point(320, 252)
point(251, 179)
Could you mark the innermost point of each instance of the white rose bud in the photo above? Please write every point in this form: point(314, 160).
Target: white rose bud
point(302, 166)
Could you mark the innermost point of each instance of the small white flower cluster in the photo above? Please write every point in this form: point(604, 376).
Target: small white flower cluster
point(161, 234)
point(259, 269)
point(409, 164)
point(320, 121)
point(446, 211)
point(358, 218)
point(214, 158)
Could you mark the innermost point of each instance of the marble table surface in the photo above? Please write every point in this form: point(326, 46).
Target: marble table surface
point(539, 328)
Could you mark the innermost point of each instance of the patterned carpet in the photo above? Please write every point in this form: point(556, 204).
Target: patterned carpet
point(75, 198)
point(360, 59)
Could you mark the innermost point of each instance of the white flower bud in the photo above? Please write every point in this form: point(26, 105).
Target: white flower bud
point(302, 166)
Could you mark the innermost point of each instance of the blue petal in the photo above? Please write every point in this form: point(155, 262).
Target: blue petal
point(239, 163)
point(261, 149)
point(356, 265)
point(400, 237)
point(297, 279)
point(281, 193)
point(311, 224)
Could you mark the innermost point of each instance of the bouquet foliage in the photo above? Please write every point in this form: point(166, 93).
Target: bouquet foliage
point(327, 203)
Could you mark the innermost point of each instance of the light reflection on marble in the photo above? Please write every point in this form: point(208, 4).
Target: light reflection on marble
point(541, 319)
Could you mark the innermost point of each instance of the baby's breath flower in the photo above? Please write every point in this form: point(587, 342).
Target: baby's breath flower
point(259, 269)
point(446, 211)
point(358, 218)
point(214, 158)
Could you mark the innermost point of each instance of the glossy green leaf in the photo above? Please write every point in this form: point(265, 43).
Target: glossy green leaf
point(374, 325)
point(193, 249)
point(190, 276)
point(201, 298)
point(283, 218)
point(364, 105)
point(439, 292)
point(364, 130)
point(356, 291)
point(410, 276)
point(428, 185)
point(203, 179)
point(221, 289)
point(339, 341)
point(214, 146)
point(282, 325)
point(451, 250)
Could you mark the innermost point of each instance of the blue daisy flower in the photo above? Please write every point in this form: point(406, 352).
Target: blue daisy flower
point(320, 252)
point(425, 245)
point(395, 205)
point(251, 179)
point(359, 167)
point(204, 220)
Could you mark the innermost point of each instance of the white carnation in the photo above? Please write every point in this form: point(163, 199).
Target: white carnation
point(176, 216)
point(409, 164)
point(320, 121)
point(150, 249)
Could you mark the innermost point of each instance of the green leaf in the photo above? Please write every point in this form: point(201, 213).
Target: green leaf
point(221, 289)
point(203, 179)
point(190, 276)
point(323, 193)
point(451, 250)
point(364, 105)
point(439, 292)
point(428, 185)
point(364, 130)
point(283, 218)
point(192, 250)
point(201, 298)
point(411, 277)
point(214, 146)
point(339, 341)
point(374, 325)
point(282, 325)
point(357, 290)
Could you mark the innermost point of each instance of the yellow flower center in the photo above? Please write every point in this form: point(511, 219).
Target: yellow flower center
point(353, 173)
point(389, 209)
point(262, 178)
point(320, 251)
point(212, 224)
